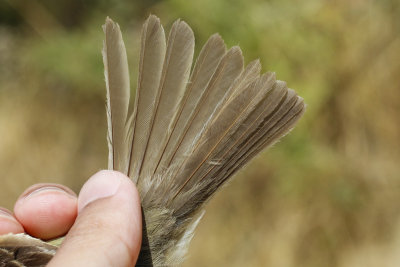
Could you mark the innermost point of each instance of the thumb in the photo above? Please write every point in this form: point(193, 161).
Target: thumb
point(108, 229)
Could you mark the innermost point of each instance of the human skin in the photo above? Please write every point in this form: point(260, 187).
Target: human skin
point(103, 225)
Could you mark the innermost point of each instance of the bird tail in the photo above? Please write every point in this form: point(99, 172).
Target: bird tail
point(188, 131)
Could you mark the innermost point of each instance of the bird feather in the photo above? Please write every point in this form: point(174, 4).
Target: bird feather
point(175, 74)
point(152, 54)
point(207, 62)
point(186, 135)
point(118, 93)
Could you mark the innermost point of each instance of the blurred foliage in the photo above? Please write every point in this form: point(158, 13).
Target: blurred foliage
point(325, 196)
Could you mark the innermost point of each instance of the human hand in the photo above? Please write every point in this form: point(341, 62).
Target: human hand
point(104, 222)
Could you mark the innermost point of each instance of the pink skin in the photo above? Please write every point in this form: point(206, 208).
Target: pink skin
point(8, 223)
point(44, 211)
point(103, 225)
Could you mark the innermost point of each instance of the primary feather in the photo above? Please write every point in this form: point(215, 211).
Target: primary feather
point(175, 74)
point(151, 63)
point(204, 68)
point(118, 93)
point(190, 135)
point(187, 133)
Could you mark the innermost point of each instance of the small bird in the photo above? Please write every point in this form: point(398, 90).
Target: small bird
point(186, 134)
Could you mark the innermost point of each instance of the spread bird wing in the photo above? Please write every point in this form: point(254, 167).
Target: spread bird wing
point(192, 132)
point(188, 132)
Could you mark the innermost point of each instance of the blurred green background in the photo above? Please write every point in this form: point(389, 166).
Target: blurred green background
point(327, 195)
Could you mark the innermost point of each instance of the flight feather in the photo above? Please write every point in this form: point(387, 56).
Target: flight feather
point(187, 134)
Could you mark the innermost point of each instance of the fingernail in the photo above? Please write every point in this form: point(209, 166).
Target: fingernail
point(46, 188)
point(101, 185)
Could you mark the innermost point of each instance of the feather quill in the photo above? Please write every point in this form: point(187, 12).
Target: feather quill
point(118, 93)
point(175, 73)
point(230, 66)
point(152, 54)
point(218, 135)
point(207, 62)
point(186, 136)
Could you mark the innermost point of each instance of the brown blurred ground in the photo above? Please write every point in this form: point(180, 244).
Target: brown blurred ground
point(326, 195)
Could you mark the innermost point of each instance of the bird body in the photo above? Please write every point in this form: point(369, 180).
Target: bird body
point(188, 132)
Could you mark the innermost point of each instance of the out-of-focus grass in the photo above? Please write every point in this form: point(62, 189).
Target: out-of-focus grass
point(326, 195)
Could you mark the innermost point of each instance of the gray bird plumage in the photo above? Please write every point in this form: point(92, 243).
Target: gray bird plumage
point(187, 132)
